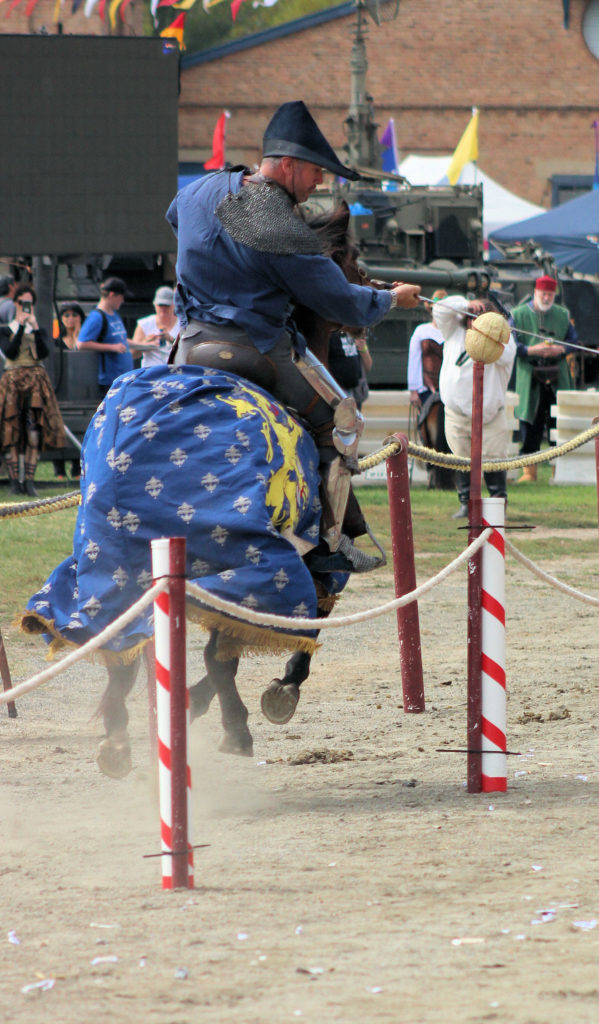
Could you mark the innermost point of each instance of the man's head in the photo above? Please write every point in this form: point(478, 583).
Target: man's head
point(435, 297)
point(544, 296)
point(112, 292)
point(295, 151)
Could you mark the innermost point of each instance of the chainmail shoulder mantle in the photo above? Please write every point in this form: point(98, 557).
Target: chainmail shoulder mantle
point(262, 216)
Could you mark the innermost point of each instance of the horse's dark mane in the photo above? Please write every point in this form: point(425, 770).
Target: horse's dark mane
point(333, 232)
point(339, 245)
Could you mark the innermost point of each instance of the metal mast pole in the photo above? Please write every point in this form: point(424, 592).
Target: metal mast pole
point(363, 149)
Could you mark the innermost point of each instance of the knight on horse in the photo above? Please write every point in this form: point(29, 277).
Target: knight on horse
point(245, 256)
point(202, 448)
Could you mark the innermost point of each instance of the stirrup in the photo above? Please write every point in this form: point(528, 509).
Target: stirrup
point(347, 557)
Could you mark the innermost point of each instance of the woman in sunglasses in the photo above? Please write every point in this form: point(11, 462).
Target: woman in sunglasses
point(29, 415)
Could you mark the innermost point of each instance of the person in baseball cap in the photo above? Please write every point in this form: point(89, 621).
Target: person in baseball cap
point(116, 285)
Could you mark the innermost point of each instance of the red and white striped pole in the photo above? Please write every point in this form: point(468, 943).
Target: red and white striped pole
point(172, 705)
point(493, 713)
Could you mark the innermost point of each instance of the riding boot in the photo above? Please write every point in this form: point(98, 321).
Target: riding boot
point(31, 459)
point(12, 467)
point(462, 482)
point(496, 482)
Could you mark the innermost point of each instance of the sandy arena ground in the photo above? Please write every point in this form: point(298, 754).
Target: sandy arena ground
point(349, 876)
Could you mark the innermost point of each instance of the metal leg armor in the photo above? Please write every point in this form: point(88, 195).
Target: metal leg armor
point(348, 427)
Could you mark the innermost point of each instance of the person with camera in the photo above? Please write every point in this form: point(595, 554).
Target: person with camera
point(30, 419)
point(155, 334)
point(541, 365)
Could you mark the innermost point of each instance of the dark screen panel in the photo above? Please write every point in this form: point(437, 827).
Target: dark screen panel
point(89, 130)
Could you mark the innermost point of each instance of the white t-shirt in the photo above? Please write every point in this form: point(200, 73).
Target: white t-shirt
point(160, 354)
point(421, 333)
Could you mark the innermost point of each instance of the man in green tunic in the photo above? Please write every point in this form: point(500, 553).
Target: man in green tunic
point(541, 366)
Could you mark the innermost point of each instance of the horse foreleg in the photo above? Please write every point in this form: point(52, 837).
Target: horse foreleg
point(114, 753)
point(280, 699)
point(234, 714)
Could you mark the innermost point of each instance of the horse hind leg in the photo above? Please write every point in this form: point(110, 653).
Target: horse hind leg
point(114, 752)
point(202, 693)
point(234, 714)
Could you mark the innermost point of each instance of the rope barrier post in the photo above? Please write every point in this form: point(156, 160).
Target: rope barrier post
point(172, 702)
point(404, 569)
point(474, 587)
point(493, 720)
point(6, 679)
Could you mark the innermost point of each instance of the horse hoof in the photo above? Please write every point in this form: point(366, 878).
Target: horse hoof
point(242, 746)
point(114, 757)
point(279, 701)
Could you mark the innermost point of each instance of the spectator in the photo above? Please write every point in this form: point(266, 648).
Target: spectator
point(7, 305)
point(154, 334)
point(29, 415)
point(541, 366)
point(104, 332)
point(455, 385)
point(424, 357)
point(349, 362)
point(71, 317)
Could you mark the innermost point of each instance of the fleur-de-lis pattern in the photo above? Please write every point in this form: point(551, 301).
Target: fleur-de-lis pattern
point(186, 452)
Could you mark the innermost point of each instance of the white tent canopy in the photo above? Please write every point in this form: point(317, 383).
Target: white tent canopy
point(500, 206)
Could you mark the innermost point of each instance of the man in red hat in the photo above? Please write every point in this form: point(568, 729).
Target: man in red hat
point(543, 330)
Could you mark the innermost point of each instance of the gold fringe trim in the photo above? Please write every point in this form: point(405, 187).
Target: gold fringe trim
point(33, 624)
point(235, 638)
point(325, 601)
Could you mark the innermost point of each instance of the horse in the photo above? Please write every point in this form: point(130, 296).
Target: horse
point(121, 510)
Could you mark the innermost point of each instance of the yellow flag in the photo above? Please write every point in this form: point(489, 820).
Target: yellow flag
point(184, 5)
point(114, 6)
point(466, 149)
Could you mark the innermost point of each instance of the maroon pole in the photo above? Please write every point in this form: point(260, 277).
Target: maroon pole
point(6, 680)
point(404, 569)
point(179, 699)
point(474, 588)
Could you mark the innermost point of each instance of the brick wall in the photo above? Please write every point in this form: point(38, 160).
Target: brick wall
point(536, 84)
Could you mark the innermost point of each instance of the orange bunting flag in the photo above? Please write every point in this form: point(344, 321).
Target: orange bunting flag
point(175, 30)
point(217, 160)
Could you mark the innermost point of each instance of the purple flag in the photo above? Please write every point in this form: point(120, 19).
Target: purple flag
point(389, 148)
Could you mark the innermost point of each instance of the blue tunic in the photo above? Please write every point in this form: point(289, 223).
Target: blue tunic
point(227, 282)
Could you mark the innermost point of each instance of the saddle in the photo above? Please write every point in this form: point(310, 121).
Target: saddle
point(233, 358)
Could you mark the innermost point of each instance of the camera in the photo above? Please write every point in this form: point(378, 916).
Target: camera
point(26, 306)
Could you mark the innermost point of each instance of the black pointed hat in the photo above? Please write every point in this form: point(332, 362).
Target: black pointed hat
point(292, 131)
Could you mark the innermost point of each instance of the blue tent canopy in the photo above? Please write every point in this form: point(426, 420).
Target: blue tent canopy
point(570, 233)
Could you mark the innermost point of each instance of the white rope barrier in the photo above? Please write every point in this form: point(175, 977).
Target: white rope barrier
point(578, 595)
point(298, 624)
point(91, 645)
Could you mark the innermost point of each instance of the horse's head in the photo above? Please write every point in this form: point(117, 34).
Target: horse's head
point(338, 243)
